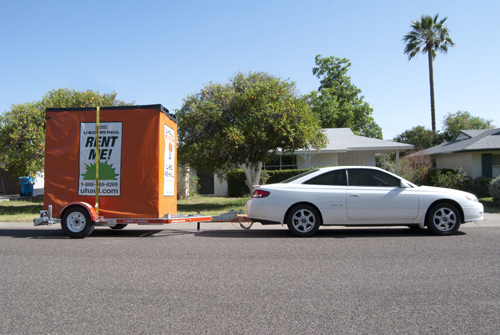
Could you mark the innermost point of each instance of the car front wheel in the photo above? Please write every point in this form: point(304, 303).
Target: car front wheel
point(443, 219)
point(303, 220)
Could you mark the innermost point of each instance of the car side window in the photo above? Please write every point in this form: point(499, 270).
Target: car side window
point(366, 177)
point(332, 178)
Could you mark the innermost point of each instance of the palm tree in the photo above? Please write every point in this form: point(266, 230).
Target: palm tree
point(427, 36)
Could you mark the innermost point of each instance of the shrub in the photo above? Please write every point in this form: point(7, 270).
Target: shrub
point(450, 179)
point(415, 167)
point(236, 186)
point(480, 186)
point(495, 190)
point(457, 179)
point(386, 162)
point(277, 176)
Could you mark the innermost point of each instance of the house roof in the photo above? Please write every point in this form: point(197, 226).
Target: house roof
point(343, 140)
point(468, 140)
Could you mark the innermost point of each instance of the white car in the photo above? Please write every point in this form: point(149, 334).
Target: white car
point(358, 195)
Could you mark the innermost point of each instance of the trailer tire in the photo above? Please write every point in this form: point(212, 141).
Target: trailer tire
point(76, 222)
point(119, 226)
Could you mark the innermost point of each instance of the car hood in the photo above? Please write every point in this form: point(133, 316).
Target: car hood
point(434, 189)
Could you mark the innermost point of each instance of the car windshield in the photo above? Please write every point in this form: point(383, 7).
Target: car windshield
point(286, 181)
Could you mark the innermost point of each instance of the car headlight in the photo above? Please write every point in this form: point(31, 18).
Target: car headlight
point(472, 197)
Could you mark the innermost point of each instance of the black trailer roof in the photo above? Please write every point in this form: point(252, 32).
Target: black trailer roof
point(158, 107)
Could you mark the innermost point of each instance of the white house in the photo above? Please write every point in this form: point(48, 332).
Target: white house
point(343, 148)
point(477, 151)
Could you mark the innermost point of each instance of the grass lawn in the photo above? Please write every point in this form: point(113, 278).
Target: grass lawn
point(210, 205)
point(20, 211)
point(24, 211)
point(489, 207)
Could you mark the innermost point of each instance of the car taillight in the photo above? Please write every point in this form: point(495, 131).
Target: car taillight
point(260, 194)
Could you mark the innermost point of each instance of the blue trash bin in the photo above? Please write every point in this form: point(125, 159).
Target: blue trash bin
point(26, 186)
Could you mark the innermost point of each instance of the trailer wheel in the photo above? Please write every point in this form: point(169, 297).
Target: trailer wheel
point(76, 222)
point(119, 226)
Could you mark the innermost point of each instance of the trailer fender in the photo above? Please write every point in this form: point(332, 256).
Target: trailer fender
point(91, 210)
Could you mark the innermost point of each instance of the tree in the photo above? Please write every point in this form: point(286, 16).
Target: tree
point(244, 123)
point(420, 137)
point(338, 103)
point(22, 128)
point(462, 120)
point(428, 36)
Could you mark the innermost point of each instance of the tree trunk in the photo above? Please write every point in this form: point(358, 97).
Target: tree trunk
point(252, 174)
point(431, 82)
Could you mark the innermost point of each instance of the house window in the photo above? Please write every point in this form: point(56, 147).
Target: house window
point(495, 163)
point(282, 162)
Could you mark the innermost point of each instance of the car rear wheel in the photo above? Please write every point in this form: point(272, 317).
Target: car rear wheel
point(303, 220)
point(443, 219)
point(76, 222)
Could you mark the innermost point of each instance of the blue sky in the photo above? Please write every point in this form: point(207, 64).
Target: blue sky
point(153, 52)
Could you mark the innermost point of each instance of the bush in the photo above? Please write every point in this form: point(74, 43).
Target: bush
point(495, 190)
point(277, 176)
point(237, 187)
point(432, 175)
point(480, 186)
point(457, 179)
point(386, 162)
point(450, 179)
point(415, 167)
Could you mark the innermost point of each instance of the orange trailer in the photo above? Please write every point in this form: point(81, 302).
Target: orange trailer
point(110, 166)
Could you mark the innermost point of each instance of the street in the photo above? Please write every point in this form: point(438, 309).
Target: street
point(224, 280)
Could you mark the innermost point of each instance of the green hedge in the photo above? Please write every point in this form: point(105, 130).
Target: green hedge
point(478, 186)
point(236, 186)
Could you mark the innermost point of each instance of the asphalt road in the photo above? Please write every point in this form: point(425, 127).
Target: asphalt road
point(172, 280)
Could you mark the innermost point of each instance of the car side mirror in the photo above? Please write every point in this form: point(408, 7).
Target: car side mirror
point(404, 184)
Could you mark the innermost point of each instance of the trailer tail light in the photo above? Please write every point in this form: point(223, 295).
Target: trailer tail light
point(260, 194)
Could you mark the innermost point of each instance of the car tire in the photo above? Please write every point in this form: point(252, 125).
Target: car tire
point(303, 220)
point(76, 222)
point(443, 219)
point(119, 226)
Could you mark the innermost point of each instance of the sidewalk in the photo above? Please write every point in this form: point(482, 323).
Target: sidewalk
point(7, 197)
point(489, 220)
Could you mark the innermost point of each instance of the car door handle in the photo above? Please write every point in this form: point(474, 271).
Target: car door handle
point(354, 195)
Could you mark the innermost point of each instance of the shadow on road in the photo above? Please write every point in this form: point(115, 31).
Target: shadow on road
point(32, 233)
point(322, 233)
point(223, 233)
point(99, 232)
